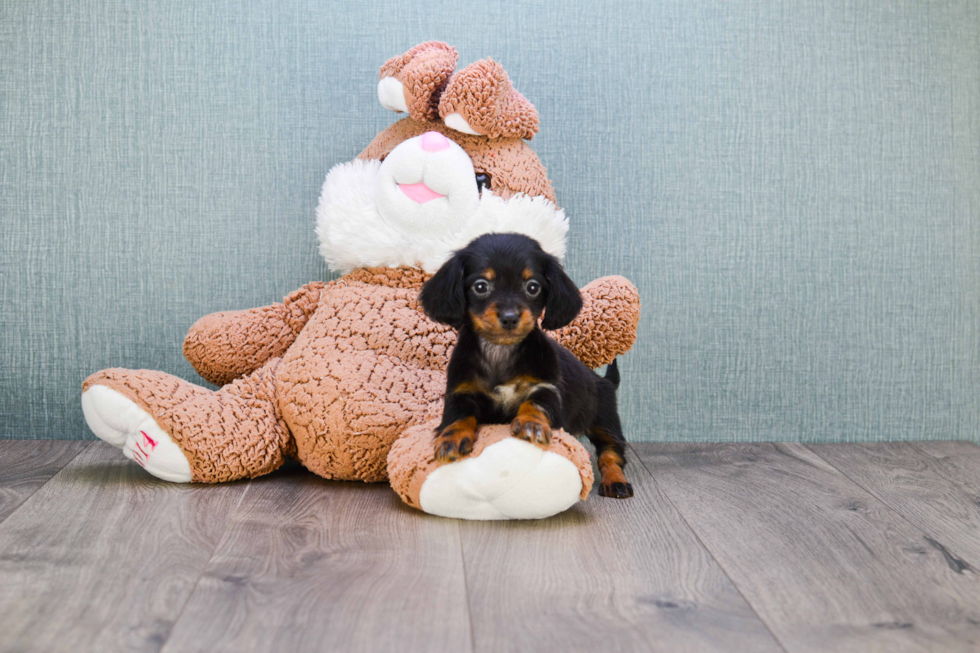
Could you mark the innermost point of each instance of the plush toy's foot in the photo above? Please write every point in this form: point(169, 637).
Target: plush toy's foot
point(503, 478)
point(122, 423)
point(182, 432)
point(511, 479)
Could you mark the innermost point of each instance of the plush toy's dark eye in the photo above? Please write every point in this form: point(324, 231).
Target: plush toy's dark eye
point(482, 181)
point(481, 288)
point(532, 288)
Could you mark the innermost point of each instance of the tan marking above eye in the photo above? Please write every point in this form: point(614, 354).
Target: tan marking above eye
point(490, 274)
point(528, 274)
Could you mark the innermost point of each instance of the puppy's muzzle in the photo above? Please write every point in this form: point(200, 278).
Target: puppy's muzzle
point(509, 318)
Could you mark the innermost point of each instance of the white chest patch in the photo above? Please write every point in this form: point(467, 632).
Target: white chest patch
point(498, 361)
point(509, 396)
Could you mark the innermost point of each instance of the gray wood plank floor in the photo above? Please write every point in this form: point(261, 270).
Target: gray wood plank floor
point(103, 557)
point(606, 575)
point(749, 547)
point(826, 565)
point(938, 491)
point(309, 564)
point(26, 465)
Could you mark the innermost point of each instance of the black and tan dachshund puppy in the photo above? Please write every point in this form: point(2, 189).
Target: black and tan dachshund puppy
point(504, 368)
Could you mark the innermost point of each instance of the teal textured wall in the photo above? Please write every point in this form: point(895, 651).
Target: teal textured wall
point(794, 186)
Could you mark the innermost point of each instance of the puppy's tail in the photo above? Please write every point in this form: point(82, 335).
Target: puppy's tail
point(612, 373)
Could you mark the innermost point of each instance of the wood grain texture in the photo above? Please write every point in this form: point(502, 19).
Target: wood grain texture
point(939, 494)
point(956, 461)
point(724, 548)
point(607, 575)
point(26, 465)
point(103, 557)
point(826, 565)
point(313, 565)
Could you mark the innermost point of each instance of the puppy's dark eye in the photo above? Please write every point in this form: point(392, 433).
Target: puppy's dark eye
point(482, 181)
point(532, 288)
point(481, 288)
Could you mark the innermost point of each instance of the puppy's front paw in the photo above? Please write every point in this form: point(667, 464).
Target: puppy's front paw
point(456, 440)
point(531, 424)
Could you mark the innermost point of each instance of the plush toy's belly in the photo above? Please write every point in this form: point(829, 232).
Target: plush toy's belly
point(367, 366)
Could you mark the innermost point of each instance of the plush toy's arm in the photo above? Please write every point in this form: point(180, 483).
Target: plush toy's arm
point(227, 345)
point(606, 325)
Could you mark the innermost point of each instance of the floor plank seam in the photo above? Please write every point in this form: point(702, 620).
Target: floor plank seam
point(53, 476)
point(711, 553)
point(927, 535)
point(466, 588)
point(205, 567)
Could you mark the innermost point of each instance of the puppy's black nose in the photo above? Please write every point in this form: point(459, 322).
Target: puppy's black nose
point(509, 318)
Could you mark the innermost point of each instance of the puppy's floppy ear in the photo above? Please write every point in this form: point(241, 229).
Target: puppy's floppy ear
point(443, 297)
point(564, 299)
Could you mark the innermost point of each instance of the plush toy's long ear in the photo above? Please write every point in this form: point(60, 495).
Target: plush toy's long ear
point(564, 299)
point(480, 100)
point(443, 297)
point(413, 82)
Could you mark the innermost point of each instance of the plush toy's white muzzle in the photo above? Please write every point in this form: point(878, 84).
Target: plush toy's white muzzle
point(427, 185)
point(420, 205)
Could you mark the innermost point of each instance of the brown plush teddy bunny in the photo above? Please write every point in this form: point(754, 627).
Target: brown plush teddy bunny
point(338, 371)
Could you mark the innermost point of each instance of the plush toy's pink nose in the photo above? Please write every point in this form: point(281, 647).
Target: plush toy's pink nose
point(434, 141)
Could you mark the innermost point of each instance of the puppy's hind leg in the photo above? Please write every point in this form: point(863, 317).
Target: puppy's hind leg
point(606, 435)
